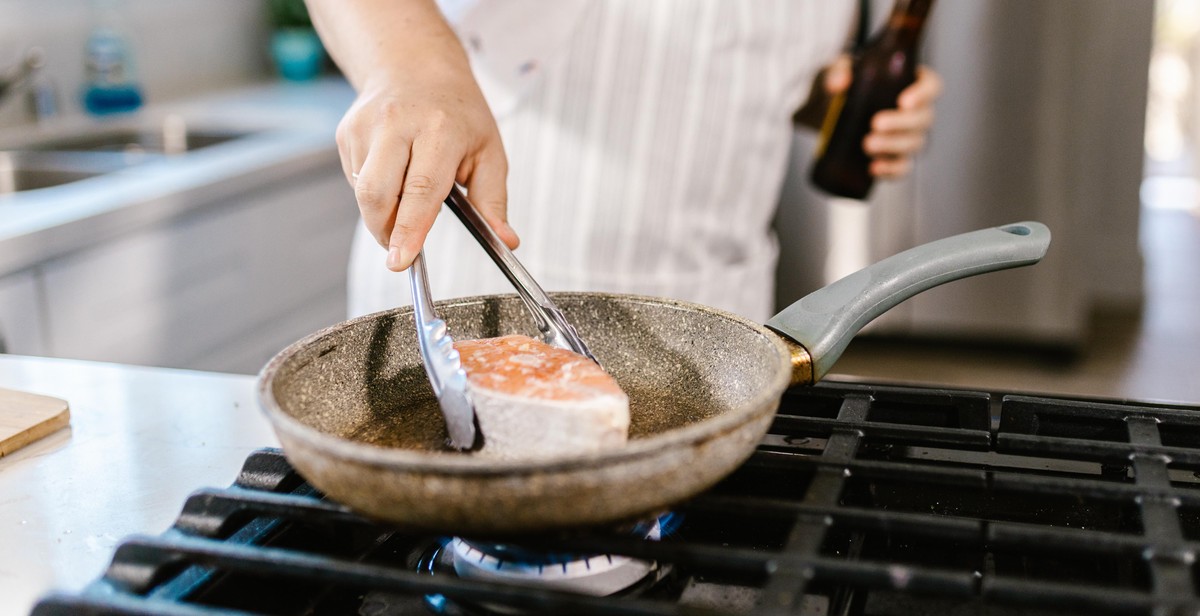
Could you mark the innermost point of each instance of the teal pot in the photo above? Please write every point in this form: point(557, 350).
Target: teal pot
point(297, 53)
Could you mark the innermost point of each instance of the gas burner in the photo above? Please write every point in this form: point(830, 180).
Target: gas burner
point(591, 574)
point(597, 575)
point(586, 574)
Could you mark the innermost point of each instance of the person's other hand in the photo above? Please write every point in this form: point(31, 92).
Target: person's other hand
point(407, 138)
point(896, 134)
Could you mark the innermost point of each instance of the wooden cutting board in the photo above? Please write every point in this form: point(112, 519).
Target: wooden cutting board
point(26, 417)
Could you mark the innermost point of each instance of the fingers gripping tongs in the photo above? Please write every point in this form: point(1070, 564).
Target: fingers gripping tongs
point(442, 363)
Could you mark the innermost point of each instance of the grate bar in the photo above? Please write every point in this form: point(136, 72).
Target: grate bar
point(1170, 568)
point(978, 440)
point(901, 405)
point(874, 469)
point(1078, 598)
point(328, 570)
point(1092, 488)
point(212, 512)
point(1016, 536)
point(61, 604)
point(1096, 451)
point(784, 592)
point(268, 470)
point(1026, 413)
point(948, 528)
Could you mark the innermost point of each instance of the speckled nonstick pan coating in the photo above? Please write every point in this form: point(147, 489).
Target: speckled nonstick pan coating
point(357, 418)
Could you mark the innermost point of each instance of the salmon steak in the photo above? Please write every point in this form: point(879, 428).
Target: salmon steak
point(537, 401)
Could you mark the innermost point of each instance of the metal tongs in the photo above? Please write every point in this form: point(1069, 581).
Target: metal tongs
point(442, 363)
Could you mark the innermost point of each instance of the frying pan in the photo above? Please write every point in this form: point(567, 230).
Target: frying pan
point(356, 416)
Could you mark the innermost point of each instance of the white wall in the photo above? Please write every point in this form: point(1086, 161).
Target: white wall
point(181, 47)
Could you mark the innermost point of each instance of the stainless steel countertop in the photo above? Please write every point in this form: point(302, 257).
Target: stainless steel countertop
point(141, 439)
point(294, 126)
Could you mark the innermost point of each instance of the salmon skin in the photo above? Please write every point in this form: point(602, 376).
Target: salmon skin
point(538, 401)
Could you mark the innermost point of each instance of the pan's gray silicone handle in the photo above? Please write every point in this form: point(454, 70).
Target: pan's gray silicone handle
point(825, 320)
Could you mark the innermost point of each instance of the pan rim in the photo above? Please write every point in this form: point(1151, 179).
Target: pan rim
point(764, 400)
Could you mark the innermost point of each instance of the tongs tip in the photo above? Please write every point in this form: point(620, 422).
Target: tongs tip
point(443, 365)
point(442, 362)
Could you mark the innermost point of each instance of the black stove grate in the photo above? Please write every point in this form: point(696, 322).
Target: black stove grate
point(861, 500)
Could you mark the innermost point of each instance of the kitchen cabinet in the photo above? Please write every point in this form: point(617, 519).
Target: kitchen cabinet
point(220, 288)
point(21, 314)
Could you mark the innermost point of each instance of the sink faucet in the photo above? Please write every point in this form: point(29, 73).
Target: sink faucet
point(23, 75)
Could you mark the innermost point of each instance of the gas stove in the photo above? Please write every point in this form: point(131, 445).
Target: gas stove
point(861, 499)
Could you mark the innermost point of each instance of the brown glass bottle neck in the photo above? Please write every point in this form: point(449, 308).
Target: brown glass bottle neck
point(905, 24)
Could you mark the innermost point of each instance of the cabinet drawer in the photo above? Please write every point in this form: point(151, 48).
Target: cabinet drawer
point(169, 295)
point(21, 329)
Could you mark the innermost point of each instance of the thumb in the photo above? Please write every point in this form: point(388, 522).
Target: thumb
point(838, 75)
point(487, 190)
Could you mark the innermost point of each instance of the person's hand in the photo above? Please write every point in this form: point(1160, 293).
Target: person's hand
point(419, 123)
point(896, 134)
point(405, 141)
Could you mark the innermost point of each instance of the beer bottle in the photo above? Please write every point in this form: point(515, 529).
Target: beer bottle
point(881, 70)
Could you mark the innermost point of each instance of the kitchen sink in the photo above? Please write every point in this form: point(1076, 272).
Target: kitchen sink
point(18, 180)
point(137, 140)
point(71, 153)
point(22, 171)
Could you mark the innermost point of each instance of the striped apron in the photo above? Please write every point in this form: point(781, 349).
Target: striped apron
point(647, 143)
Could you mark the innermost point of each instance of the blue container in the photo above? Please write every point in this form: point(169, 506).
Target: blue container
point(105, 100)
point(298, 53)
point(110, 86)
